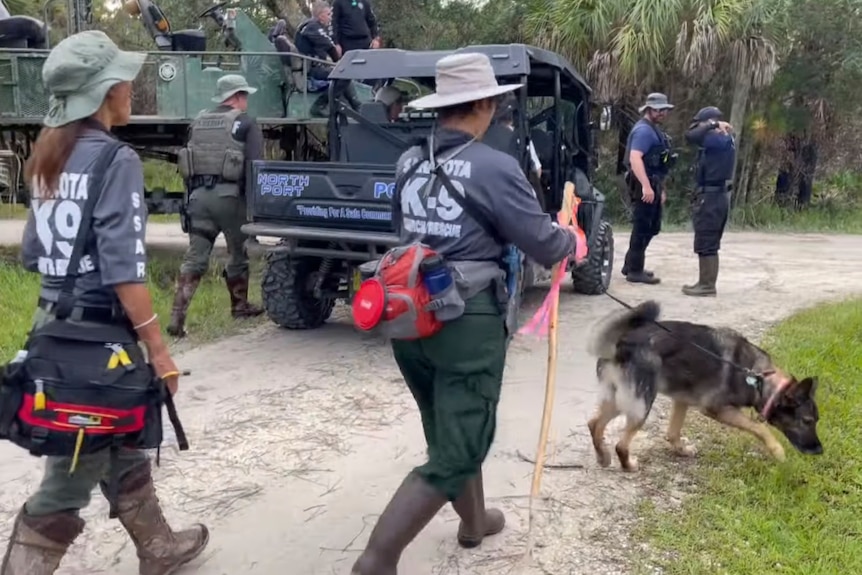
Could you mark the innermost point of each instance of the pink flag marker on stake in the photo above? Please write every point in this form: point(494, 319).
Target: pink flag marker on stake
point(539, 324)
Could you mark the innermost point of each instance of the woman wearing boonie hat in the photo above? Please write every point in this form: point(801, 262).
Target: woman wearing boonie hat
point(455, 375)
point(90, 84)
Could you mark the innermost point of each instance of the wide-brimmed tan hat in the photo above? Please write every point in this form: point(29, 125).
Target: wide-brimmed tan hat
point(656, 101)
point(463, 78)
point(80, 70)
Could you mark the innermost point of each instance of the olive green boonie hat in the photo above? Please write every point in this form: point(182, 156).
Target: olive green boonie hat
point(229, 85)
point(80, 70)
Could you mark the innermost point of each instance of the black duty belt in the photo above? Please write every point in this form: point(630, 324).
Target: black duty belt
point(87, 313)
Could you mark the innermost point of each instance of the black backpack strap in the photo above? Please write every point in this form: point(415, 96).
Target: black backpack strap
point(466, 202)
point(66, 299)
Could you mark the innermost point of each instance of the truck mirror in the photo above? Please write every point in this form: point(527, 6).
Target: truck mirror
point(605, 120)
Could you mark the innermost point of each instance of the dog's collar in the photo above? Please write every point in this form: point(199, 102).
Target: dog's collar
point(773, 398)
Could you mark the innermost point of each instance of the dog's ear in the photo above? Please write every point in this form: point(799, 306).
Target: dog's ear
point(807, 387)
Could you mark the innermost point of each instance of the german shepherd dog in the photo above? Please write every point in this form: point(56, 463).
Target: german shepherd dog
point(638, 359)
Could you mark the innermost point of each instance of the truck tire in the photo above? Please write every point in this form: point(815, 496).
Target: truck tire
point(286, 292)
point(593, 277)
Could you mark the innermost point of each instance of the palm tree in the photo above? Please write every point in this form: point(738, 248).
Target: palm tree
point(626, 46)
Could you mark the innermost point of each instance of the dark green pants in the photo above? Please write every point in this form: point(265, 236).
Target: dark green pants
point(212, 214)
point(455, 377)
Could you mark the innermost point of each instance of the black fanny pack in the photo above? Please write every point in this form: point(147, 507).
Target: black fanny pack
point(83, 388)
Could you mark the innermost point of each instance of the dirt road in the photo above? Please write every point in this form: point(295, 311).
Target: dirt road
point(298, 439)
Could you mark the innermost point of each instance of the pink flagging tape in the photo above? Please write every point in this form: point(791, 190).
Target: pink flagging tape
point(539, 324)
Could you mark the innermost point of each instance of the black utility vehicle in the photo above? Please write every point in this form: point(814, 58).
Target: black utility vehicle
point(331, 217)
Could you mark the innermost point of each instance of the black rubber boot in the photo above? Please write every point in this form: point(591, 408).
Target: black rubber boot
point(476, 521)
point(408, 512)
point(705, 287)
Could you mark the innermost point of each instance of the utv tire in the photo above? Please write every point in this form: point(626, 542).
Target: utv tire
point(593, 277)
point(286, 292)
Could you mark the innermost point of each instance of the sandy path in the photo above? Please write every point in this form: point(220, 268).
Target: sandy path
point(298, 439)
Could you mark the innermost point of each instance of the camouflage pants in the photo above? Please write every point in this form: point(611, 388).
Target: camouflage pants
point(61, 491)
point(212, 214)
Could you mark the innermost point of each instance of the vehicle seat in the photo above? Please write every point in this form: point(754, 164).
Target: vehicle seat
point(291, 65)
point(374, 112)
point(189, 41)
point(22, 32)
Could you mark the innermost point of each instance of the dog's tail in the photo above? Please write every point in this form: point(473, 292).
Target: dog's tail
point(605, 335)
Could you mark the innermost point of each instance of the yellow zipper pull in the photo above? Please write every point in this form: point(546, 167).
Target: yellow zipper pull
point(39, 398)
point(79, 443)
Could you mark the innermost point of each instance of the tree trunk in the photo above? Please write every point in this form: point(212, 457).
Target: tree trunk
point(741, 94)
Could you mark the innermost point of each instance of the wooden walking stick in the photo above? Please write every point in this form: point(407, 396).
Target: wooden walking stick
point(564, 218)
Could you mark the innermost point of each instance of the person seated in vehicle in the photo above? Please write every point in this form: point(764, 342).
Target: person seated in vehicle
point(394, 100)
point(21, 31)
point(313, 39)
point(501, 136)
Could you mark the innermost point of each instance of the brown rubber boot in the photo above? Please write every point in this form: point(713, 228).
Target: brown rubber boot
point(187, 285)
point(408, 512)
point(239, 304)
point(38, 544)
point(161, 550)
point(476, 521)
point(705, 287)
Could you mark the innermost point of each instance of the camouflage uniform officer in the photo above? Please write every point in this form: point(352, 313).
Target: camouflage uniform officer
point(90, 83)
point(455, 376)
point(221, 144)
point(713, 174)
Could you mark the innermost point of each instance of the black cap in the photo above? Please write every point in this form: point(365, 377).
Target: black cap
point(708, 113)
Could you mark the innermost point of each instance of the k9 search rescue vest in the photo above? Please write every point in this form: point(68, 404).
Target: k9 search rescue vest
point(212, 149)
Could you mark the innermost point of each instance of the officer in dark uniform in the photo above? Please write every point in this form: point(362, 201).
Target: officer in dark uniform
point(313, 39)
point(649, 160)
point(354, 25)
point(456, 375)
point(713, 177)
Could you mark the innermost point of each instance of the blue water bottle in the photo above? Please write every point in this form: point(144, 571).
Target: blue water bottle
point(435, 275)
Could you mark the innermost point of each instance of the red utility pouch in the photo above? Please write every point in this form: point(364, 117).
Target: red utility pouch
point(394, 301)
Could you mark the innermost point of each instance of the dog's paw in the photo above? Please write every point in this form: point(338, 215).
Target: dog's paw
point(603, 457)
point(682, 448)
point(778, 452)
point(630, 465)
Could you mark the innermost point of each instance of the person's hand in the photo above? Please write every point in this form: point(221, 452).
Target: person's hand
point(648, 195)
point(581, 248)
point(725, 127)
point(375, 44)
point(165, 368)
point(663, 198)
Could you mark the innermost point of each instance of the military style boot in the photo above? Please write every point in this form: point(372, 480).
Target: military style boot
point(705, 287)
point(411, 508)
point(187, 284)
point(38, 544)
point(239, 304)
point(476, 521)
point(161, 550)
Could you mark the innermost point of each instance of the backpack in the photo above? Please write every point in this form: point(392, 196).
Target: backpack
point(77, 390)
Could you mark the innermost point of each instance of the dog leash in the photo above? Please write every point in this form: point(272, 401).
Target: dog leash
point(751, 378)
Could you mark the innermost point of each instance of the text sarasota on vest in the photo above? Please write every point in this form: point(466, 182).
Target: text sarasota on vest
point(58, 220)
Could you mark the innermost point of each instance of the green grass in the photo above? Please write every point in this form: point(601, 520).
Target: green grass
point(209, 315)
point(750, 515)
